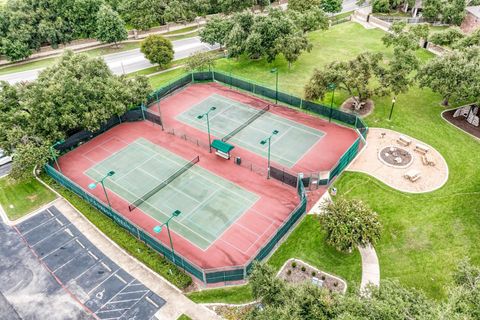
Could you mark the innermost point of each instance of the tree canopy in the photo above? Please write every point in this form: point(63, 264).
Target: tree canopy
point(200, 61)
point(357, 76)
point(158, 50)
point(350, 223)
point(455, 75)
point(264, 36)
point(25, 25)
point(283, 301)
point(78, 93)
point(110, 27)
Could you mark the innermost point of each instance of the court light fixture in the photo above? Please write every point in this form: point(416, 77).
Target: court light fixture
point(54, 156)
point(265, 141)
point(159, 228)
point(93, 185)
point(275, 70)
point(200, 116)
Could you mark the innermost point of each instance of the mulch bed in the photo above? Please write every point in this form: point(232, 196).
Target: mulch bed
point(462, 123)
point(297, 275)
point(347, 106)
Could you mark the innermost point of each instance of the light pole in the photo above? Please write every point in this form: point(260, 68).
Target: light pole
point(331, 87)
point(275, 70)
point(265, 141)
point(93, 185)
point(52, 151)
point(391, 110)
point(208, 125)
point(158, 229)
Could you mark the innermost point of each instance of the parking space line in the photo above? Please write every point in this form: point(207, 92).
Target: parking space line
point(41, 224)
point(47, 237)
point(106, 266)
point(121, 279)
point(58, 248)
point(63, 265)
point(88, 269)
point(152, 302)
point(96, 287)
point(94, 256)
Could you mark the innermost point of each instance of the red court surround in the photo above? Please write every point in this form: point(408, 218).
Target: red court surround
point(242, 240)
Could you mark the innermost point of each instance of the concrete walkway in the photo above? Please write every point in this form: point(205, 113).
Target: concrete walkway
point(370, 267)
point(177, 303)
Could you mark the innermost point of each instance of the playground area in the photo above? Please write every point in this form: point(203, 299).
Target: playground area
point(152, 171)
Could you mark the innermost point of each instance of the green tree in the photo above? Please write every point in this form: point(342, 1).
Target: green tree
point(311, 20)
point(303, 5)
point(469, 41)
point(179, 11)
point(216, 31)
point(157, 50)
point(229, 6)
point(110, 27)
point(143, 14)
point(447, 37)
point(331, 6)
point(402, 38)
point(292, 46)
point(350, 223)
point(357, 76)
point(78, 93)
point(455, 75)
point(200, 61)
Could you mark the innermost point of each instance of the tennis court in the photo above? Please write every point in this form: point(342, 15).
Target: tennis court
point(209, 203)
point(292, 142)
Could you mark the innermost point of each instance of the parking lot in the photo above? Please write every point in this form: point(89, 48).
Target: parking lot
point(84, 271)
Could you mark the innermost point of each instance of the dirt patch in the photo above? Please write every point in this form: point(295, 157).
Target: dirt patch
point(32, 197)
point(364, 110)
point(297, 271)
point(233, 312)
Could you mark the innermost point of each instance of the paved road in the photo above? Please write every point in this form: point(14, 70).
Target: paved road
point(349, 5)
point(5, 169)
point(78, 273)
point(127, 61)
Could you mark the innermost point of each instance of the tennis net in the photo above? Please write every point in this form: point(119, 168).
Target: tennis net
point(162, 185)
point(246, 123)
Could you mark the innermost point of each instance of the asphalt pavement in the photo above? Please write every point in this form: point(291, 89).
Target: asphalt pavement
point(126, 61)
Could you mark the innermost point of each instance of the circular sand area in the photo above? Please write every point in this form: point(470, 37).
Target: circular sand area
point(429, 168)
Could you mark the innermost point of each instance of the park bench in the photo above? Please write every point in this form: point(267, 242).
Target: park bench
point(421, 149)
point(404, 141)
point(412, 175)
point(427, 160)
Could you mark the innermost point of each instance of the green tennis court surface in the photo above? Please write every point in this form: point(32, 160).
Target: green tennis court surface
point(293, 141)
point(209, 203)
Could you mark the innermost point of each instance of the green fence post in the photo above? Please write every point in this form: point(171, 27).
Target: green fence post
point(143, 111)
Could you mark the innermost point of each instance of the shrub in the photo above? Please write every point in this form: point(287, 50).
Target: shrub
point(294, 264)
point(303, 268)
point(381, 6)
point(314, 273)
point(289, 272)
point(350, 223)
point(335, 284)
point(322, 277)
point(447, 37)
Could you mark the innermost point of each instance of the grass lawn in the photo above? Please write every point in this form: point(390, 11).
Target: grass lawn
point(424, 235)
point(235, 294)
point(184, 317)
point(19, 198)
